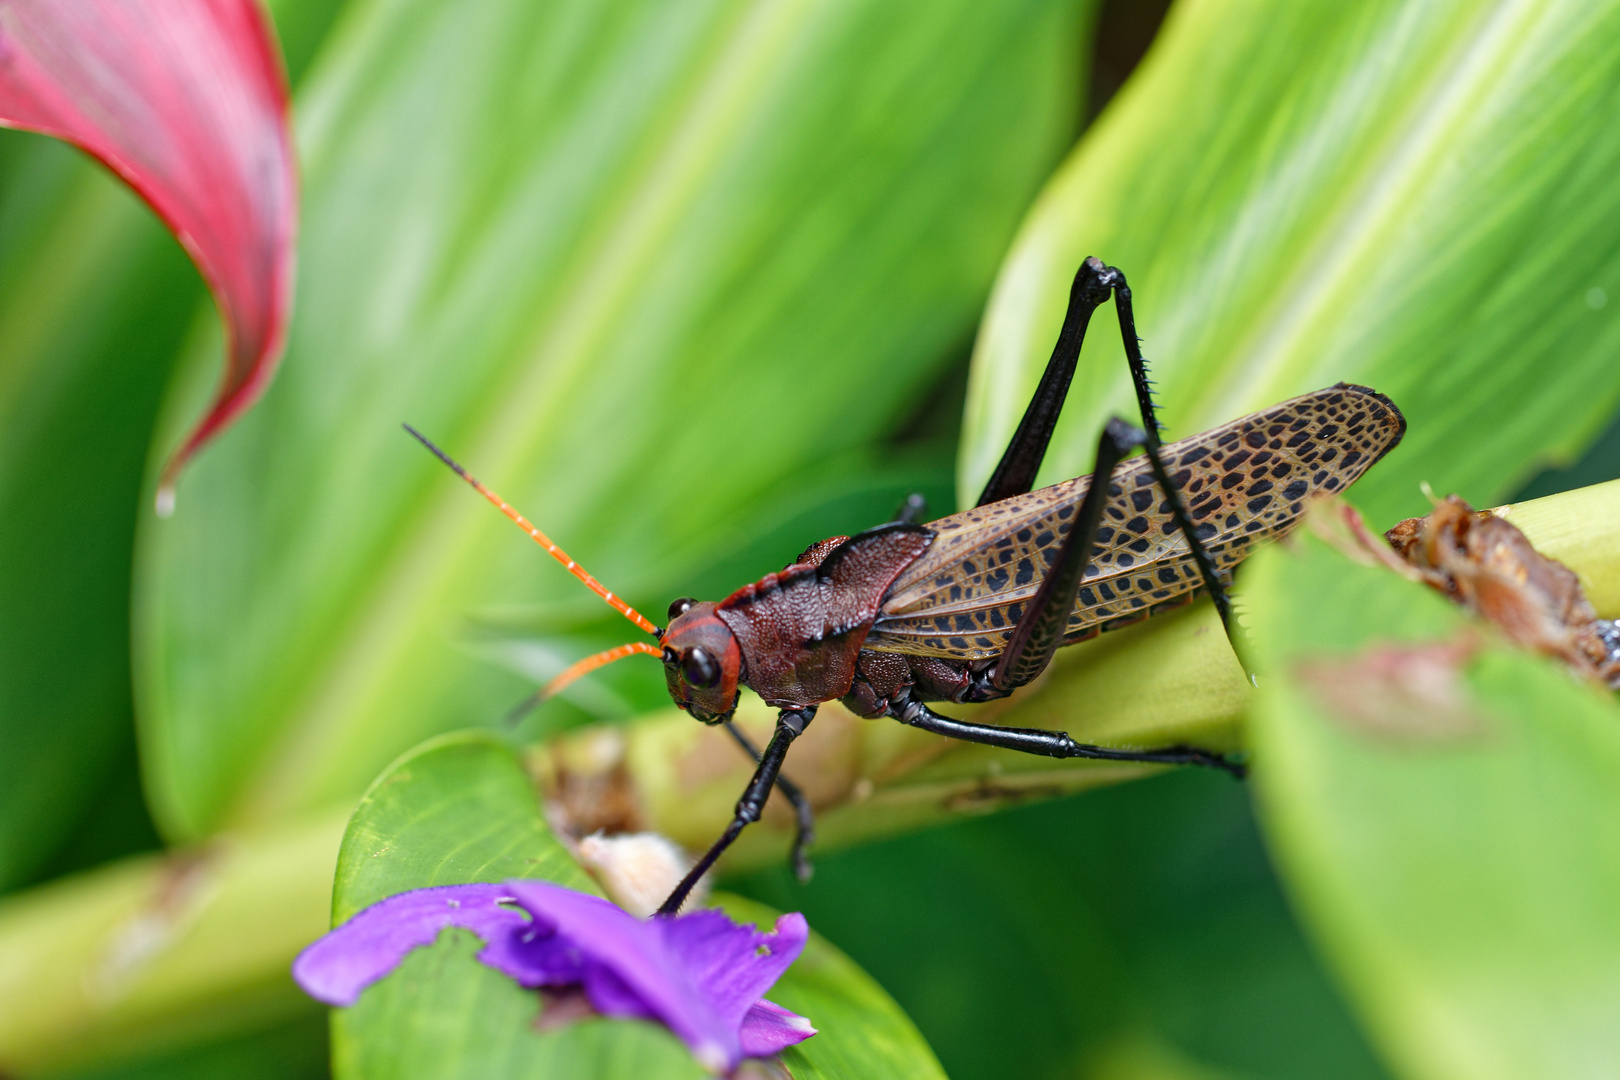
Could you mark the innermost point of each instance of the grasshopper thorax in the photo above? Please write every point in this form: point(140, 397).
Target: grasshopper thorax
point(702, 661)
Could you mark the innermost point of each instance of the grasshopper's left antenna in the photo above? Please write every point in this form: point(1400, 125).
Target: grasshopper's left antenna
point(574, 671)
point(544, 541)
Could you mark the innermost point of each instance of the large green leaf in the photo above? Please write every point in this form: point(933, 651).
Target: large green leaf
point(1446, 813)
point(1418, 197)
point(94, 299)
point(1064, 939)
point(643, 267)
point(461, 809)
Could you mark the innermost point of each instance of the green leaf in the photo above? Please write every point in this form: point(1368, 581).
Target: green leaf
point(291, 1051)
point(861, 1031)
point(156, 952)
point(1446, 813)
point(94, 299)
point(1414, 197)
point(1032, 942)
point(642, 267)
point(455, 810)
point(460, 809)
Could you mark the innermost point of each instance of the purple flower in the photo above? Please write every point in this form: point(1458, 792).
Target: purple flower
point(701, 975)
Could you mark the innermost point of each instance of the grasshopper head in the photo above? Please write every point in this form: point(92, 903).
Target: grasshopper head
point(702, 663)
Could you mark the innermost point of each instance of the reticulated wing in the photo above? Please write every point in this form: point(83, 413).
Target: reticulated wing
point(1244, 482)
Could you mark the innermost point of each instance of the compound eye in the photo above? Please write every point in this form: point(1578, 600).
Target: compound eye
point(678, 608)
point(700, 668)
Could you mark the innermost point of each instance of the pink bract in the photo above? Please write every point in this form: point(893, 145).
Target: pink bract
point(186, 100)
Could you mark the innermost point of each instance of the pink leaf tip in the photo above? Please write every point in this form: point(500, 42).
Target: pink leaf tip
point(186, 101)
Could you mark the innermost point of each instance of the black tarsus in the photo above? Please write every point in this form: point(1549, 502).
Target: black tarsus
point(790, 724)
point(1055, 744)
point(802, 811)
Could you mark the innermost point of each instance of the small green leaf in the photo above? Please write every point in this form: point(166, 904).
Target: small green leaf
point(1446, 813)
point(456, 809)
point(460, 809)
point(861, 1031)
point(1418, 197)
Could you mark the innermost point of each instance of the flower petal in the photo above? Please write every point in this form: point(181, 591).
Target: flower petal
point(632, 971)
point(186, 100)
point(372, 943)
point(734, 965)
point(534, 956)
point(768, 1028)
point(700, 975)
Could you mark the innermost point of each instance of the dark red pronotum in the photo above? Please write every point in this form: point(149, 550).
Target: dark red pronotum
point(972, 606)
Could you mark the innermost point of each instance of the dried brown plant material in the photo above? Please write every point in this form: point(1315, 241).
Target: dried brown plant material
point(1411, 693)
point(1485, 563)
point(588, 785)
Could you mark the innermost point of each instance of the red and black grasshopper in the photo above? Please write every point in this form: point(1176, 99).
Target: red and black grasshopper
point(972, 606)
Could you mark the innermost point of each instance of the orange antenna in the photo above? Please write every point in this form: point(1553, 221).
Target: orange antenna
point(556, 553)
point(575, 670)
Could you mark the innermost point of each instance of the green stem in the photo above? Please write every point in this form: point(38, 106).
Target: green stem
point(1581, 529)
point(161, 950)
point(155, 951)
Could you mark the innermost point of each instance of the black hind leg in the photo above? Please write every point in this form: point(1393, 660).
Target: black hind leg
point(1015, 474)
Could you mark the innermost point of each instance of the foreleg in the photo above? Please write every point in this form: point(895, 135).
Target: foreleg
point(806, 830)
point(789, 726)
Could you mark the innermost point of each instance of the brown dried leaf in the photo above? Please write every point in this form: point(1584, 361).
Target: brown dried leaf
point(1485, 563)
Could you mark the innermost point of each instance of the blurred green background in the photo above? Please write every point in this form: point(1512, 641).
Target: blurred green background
point(778, 250)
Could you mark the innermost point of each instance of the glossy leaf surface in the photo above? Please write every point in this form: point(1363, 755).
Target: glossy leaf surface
point(1414, 197)
point(94, 300)
point(645, 269)
point(1445, 811)
point(186, 101)
point(461, 809)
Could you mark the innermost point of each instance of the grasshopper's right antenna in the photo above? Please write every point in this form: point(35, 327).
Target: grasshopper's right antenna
point(545, 541)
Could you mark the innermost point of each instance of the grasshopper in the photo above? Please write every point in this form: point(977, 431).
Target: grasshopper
point(972, 606)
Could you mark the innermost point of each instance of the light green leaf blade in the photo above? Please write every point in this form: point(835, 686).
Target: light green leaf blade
point(642, 267)
point(861, 1031)
point(1445, 811)
point(461, 809)
point(1414, 197)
